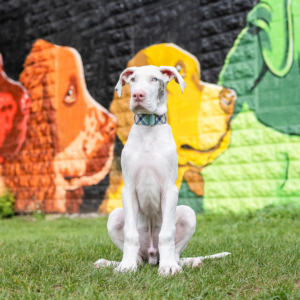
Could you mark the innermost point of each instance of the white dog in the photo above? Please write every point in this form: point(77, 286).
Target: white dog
point(150, 226)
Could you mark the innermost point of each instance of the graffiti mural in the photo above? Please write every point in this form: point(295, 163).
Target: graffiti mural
point(199, 118)
point(14, 114)
point(238, 141)
point(69, 138)
point(262, 163)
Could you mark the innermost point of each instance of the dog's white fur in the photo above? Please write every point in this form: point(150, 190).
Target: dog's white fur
point(150, 226)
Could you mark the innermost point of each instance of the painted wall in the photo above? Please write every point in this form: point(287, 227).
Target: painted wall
point(237, 134)
point(199, 118)
point(56, 138)
point(262, 164)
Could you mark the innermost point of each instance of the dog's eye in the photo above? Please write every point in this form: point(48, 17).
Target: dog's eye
point(133, 79)
point(154, 79)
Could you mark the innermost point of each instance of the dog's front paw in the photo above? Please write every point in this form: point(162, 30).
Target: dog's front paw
point(169, 268)
point(101, 263)
point(125, 267)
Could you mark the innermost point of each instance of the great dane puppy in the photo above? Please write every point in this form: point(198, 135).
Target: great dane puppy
point(150, 226)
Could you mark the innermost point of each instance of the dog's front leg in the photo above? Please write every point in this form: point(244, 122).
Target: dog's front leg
point(131, 235)
point(166, 244)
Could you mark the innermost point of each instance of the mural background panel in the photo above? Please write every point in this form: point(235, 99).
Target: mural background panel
point(263, 156)
point(236, 127)
point(199, 118)
point(107, 36)
point(69, 139)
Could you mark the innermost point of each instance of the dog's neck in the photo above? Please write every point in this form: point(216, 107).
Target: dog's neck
point(150, 119)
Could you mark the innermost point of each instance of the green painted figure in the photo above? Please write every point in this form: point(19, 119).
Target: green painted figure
point(263, 65)
point(262, 163)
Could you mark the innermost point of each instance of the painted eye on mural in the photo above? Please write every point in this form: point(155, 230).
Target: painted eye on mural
point(154, 79)
point(180, 67)
point(132, 79)
point(70, 96)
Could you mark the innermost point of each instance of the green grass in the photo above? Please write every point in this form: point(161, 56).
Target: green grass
point(53, 259)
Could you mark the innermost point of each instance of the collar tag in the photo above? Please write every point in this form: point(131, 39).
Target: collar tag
point(150, 119)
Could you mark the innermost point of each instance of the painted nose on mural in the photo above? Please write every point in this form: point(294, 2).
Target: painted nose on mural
point(139, 95)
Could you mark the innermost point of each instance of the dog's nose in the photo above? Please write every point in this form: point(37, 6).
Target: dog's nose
point(139, 95)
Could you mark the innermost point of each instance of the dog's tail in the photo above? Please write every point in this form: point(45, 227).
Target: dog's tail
point(197, 261)
point(218, 255)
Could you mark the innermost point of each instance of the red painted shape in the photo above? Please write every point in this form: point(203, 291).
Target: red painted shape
point(14, 114)
point(8, 108)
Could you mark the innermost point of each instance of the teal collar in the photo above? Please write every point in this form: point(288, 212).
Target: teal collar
point(149, 119)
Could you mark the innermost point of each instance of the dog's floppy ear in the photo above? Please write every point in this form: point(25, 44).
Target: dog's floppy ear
point(124, 79)
point(169, 73)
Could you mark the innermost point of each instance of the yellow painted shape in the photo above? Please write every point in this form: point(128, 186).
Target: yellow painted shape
point(181, 171)
point(212, 119)
point(196, 116)
point(115, 200)
point(205, 158)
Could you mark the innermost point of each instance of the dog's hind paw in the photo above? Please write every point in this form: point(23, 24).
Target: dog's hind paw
point(104, 263)
point(169, 269)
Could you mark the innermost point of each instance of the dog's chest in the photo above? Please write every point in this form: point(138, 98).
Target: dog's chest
point(148, 190)
point(148, 177)
point(150, 150)
point(149, 164)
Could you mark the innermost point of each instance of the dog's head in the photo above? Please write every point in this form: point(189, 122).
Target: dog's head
point(148, 87)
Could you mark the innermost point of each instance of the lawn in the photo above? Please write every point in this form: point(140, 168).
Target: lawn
point(53, 259)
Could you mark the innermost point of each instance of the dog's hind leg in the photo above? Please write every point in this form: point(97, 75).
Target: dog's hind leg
point(115, 227)
point(185, 228)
